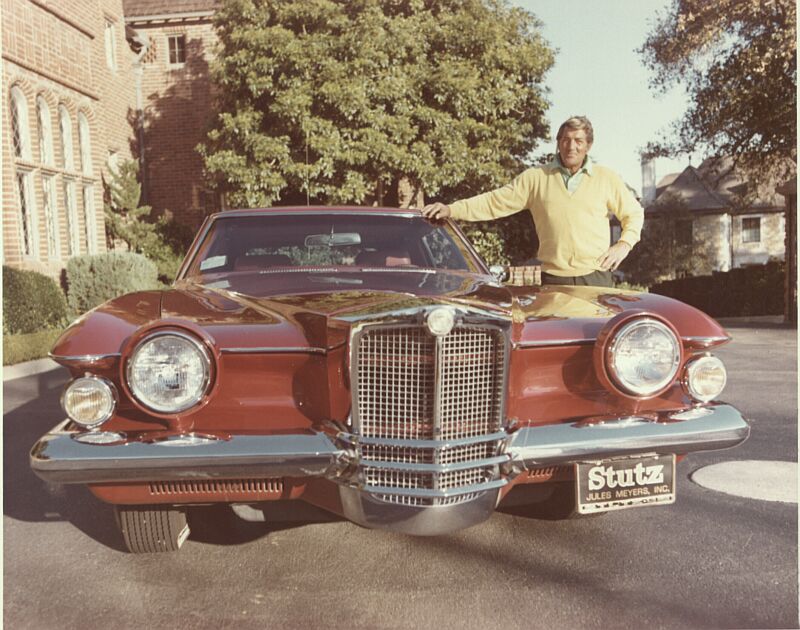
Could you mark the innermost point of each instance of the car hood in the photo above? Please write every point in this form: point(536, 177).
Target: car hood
point(316, 310)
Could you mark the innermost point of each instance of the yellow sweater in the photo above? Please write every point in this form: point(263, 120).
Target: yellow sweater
point(573, 229)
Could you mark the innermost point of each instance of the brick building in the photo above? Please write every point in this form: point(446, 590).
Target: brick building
point(86, 84)
point(174, 100)
point(67, 92)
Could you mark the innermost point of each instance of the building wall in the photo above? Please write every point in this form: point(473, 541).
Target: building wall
point(177, 110)
point(771, 244)
point(57, 52)
point(711, 241)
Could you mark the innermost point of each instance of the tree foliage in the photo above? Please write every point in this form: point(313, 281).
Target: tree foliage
point(669, 248)
point(343, 101)
point(162, 240)
point(737, 60)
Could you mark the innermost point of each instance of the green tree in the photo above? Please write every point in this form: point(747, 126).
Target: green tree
point(373, 101)
point(163, 241)
point(671, 246)
point(737, 60)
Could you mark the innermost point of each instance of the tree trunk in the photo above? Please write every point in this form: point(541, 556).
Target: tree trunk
point(409, 194)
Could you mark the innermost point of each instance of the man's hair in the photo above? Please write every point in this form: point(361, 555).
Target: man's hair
point(574, 123)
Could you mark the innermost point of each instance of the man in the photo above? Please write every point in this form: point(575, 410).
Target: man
point(571, 200)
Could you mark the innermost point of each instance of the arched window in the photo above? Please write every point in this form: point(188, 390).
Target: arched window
point(84, 140)
point(20, 129)
point(65, 126)
point(45, 132)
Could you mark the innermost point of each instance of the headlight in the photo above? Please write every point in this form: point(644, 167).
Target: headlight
point(169, 372)
point(89, 400)
point(441, 321)
point(705, 378)
point(644, 357)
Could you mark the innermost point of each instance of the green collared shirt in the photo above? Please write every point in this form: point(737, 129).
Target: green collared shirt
point(571, 181)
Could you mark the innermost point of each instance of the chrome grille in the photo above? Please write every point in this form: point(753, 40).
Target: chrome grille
point(412, 386)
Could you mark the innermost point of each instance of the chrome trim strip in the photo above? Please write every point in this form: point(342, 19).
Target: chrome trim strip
point(60, 459)
point(437, 468)
point(565, 443)
point(478, 439)
point(436, 494)
point(705, 342)
point(83, 358)
point(273, 350)
point(544, 343)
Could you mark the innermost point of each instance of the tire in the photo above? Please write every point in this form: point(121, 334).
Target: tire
point(152, 529)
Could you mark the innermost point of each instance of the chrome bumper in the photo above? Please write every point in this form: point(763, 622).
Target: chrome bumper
point(58, 458)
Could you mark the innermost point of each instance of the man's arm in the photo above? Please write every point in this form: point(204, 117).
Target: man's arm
point(631, 217)
point(502, 202)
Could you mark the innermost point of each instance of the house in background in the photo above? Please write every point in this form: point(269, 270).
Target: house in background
point(717, 214)
point(67, 89)
point(173, 102)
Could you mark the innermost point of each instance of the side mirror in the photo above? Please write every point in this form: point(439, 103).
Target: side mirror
point(500, 272)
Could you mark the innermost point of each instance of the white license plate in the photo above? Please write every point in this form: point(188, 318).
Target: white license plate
point(616, 484)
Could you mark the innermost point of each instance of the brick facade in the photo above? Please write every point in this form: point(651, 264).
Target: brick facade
point(68, 110)
point(176, 103)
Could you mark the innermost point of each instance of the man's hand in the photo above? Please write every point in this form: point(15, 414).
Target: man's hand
point(436, 211)
point(614, 256)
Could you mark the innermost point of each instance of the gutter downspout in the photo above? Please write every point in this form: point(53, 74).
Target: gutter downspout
point(143, 43)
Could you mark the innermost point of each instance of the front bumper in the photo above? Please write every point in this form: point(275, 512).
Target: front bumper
point(59, 458)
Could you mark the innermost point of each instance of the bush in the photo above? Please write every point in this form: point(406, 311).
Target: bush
point(756, 290)
point(31, 302)
point(18, 348)
point(92, 280)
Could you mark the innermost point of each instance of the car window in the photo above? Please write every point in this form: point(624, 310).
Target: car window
point(367, 241)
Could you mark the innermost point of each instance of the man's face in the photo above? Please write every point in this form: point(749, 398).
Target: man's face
point(572, 148)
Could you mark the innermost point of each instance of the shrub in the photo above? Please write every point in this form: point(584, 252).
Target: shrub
point(756, 290)
point(36, 345)
point(31, 302)
point(164, 241)
point(91, 280)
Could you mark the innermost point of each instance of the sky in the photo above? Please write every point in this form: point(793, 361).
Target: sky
point(599, 74)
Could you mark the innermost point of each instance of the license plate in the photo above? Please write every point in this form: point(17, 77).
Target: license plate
point(621, 483)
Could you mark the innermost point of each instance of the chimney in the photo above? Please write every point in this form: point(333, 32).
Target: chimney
point(648, 181)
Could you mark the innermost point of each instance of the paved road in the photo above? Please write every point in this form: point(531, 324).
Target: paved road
point(710, 560)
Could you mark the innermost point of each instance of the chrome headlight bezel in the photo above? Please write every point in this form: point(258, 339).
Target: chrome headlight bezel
point(105, 386)
point(204, 356)
point(614, 338)
point(690, 373)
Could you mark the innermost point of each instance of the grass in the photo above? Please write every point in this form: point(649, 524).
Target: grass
point(19, 348)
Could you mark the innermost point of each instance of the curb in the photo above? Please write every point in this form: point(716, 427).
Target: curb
point(29, 368)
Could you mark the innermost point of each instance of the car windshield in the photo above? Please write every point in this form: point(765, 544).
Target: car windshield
point(366, 241)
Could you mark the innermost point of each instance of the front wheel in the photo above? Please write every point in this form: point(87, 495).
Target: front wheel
point(152, 529)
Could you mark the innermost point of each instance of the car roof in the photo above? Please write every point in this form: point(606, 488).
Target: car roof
point(319, 210)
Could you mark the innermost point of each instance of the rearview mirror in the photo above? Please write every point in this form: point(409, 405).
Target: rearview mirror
point(333, 240)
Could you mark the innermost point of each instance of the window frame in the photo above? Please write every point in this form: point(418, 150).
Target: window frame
point(45, 125)
point(20, 125)
point(85, 145)
point(50, 209)
point(110, 39)
point(745, 231)
point(179, 50)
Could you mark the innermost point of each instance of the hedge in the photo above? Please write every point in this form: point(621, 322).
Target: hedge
point(756, 290)
point(31, 302)
point(18, 348)
point(92, 280)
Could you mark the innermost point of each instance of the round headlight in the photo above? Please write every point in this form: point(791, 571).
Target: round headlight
point(441, 321)
point(89, 400)
point(169, 372)
point(705, 378)
point(644, 357)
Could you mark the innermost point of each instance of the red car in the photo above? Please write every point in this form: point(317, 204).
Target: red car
point(367, 361)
